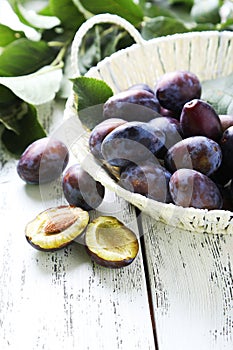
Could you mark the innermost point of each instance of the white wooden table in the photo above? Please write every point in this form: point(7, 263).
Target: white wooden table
point(176, 295)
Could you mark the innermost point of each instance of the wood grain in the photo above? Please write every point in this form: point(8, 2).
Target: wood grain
point(191, 285)
point(61, 300)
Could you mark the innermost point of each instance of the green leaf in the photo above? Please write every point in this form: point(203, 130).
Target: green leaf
point(181, 2)
point(91, 95)
point(199, 27)
point(159, 26)
point(180, 11)
point(127, 9)
point(67, 12)
point(228, 25)
point(7, 35)
point(29, 130)
point(36, 88)
point(154, 10)
point(7, 97)
point(82, 9)
point(219, 93)
point(90, 91)
point(9, 116)
point(25, 56)
point(33, 19)
point(46, 11)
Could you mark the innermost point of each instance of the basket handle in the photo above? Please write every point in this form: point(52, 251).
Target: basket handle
point(89, 23)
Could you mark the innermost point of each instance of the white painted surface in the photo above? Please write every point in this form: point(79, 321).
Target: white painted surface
point(61, 300)
point(192, 287)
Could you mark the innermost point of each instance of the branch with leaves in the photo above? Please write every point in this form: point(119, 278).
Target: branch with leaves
point(32, 71)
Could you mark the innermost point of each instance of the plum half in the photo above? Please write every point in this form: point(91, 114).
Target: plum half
point(110, 243)
point(56, 227)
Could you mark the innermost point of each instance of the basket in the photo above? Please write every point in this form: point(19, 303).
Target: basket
point(207, 54)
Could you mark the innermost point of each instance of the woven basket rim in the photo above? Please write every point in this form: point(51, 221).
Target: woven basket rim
point(211, 216)
point(162, 39)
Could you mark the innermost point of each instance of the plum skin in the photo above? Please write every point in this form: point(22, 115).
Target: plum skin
point(148, 179)
point(226, 144)
point(195, 152)
point(132, 142)
point(43, 161)
point(190, 188)
point(141, 86)
point(226, 121)
point(99, 132)
point(176, 88)
point(80, 189)
point(172, 130)
point(132, 105)
point(199, 118)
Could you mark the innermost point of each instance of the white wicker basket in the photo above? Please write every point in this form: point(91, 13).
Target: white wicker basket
point(207, 54)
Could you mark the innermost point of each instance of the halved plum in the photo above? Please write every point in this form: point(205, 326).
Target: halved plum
point(110, 243)
point(56, 227)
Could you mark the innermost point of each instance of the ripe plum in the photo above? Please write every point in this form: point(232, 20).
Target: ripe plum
point(43, 161)
point(226, 121)
point(197, 152)
point(132, 105)
point(80, 189)
point(168, 113)
point(199, 118)
point(226, 144)
point(176, 88)
point(141, 86)
point(222, 175)
point(99, 132)
point(132, 142)
point(149, 179)
point(171, 128)
point(190, 188)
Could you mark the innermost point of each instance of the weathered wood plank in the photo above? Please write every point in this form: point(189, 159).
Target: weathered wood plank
point(192, 287)
point(61, 300)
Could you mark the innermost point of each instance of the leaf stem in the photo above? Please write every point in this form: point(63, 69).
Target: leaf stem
point(61, 53)
point(87, 14)
point(55, 44)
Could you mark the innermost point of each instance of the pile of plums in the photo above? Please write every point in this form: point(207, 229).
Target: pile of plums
point(167, 143)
